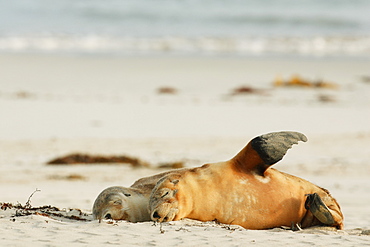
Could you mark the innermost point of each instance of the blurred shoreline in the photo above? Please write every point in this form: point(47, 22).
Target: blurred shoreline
point(317, 46)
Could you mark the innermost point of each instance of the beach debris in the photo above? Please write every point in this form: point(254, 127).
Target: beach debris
point(24, 95)
point(28, 203)
point(324, 98)
point(21, 95)
point(167, 90)
point(245, 90)
point(297, 81)
point(365, 78)
point(161, 230)
point(19, 210)
point(46, 211)
point(78, 158)
point(226, 226)
point(182, 229)
point(5, 205)
point(171, 165)
point(70, 177)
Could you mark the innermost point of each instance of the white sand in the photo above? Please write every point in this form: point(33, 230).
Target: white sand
point(55, 105)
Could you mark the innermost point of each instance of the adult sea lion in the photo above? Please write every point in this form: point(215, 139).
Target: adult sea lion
point(245, 191)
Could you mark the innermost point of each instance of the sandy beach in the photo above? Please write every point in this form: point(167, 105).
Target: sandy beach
point(54, 105)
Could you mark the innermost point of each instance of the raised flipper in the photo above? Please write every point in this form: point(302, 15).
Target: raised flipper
point(265, 150)
point(319, 209)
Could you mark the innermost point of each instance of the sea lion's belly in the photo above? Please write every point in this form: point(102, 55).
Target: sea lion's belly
point(249, 200)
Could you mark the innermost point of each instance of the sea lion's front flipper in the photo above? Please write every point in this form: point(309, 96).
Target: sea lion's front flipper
point(265, 150)
point(319, 209)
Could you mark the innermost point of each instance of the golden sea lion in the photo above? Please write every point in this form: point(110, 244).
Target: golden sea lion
point(126, 203)
point(245, 191)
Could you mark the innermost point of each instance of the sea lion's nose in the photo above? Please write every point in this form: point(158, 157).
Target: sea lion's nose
point(155, 215)
point(108, 216)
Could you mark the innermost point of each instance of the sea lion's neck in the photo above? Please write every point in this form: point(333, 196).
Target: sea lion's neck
point(138, 208)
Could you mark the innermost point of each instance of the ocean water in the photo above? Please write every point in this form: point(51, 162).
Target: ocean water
point(211, 27)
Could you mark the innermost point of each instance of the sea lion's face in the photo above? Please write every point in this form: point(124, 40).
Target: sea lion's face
point(113, 206)
point(163, 204)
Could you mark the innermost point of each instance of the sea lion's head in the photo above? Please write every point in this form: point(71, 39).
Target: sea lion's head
point(163, 203)
point(112, 203)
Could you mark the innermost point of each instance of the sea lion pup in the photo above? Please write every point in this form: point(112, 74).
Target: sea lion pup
point(245, 191)
point(126, 203)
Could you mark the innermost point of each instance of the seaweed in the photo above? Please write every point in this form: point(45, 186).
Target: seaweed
point(46, 211)
point(78, 158)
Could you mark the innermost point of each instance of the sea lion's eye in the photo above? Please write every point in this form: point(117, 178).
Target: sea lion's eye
point(118, 202)
point(165, 194)
point(127, 194)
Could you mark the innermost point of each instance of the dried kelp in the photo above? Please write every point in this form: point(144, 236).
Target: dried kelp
point(19, 210)
point(47, 211)
point(78, 158)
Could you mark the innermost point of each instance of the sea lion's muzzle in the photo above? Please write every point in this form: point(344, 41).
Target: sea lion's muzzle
point(155, 216)
point(159, 218)
point(164, 213)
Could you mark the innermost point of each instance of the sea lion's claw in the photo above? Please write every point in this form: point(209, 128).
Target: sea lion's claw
point(318, 208)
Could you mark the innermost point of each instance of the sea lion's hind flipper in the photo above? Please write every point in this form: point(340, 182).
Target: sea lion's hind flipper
point(272, 147)
point(318, 208)
point(265, 150)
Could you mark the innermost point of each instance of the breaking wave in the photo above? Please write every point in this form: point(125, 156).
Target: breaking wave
point(315, 46)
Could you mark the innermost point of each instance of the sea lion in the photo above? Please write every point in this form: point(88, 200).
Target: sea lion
point(245, 191)
point(126, 203)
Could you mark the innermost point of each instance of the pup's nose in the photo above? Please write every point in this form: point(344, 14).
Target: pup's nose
point(155, 215)
point(108, 216)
